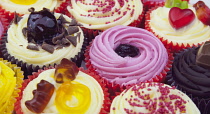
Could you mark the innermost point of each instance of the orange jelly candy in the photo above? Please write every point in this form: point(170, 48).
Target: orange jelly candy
point(24, 2)
point(66, 71)
point(72, 97)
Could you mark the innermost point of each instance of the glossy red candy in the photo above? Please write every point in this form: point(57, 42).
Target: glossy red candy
point(179, 18)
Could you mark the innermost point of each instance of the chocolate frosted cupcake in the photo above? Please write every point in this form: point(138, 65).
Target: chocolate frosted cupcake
point(190, 73)
point(8, 7)
point(153, 98)
point(42, 39)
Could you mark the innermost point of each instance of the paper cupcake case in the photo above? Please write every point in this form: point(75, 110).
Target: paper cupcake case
point(106, 105)
point(174, 46)
point(62, 8)
point(115, 89)
point(19, 80)
point(149, 4)
point(202, 103)
point(29, 68)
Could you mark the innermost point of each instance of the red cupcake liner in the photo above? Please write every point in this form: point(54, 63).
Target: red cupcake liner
point(104, 110)
point(62, 8)
point(149, 4)
point(92, 33)
point(116, 89)
point(4, 21)
point(174, 46)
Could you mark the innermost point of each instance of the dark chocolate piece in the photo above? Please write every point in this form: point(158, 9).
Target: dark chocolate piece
point(203, 55)
point(72, 29)
point(17, 18)
point(33, 47)
point(48, 48)
point(31, 9)
point(42, 96)
point(73, 40)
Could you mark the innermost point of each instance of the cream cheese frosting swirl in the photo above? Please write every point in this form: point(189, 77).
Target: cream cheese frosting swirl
point(128, 70)
point(22, 8)
point(105, 14)
point(17, 46)
point(194, 33)
point(153, 98)
point(97, 95)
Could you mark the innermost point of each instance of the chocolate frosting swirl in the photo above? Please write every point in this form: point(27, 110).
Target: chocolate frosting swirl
point(189, 76)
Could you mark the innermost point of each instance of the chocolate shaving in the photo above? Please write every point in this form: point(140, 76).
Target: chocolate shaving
point(33, 47)
point(65, 42)
point(31, 9)
point(47, 47)
point(41, 97)
point(24, 31)
point(62, 19)
point(72, 29)
point(78, 35)
point(59, 37)
point(58, 42)
point(73, 22)
point(73, 40)
point(17, 18)
point(59, 47)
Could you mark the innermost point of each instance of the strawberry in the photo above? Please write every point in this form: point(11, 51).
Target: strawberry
point(202, 12)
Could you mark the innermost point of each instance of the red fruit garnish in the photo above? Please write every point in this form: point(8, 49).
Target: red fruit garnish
point(202, 12)
point(179, 18)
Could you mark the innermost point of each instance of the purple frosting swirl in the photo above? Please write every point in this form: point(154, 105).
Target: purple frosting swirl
point(128, 70)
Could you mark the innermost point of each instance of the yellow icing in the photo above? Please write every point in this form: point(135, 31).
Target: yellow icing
point(72, 97)
point(24, 2)
point(7, 85)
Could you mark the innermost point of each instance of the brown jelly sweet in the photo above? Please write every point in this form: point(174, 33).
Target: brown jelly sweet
point(66, 71)
point(42, 96)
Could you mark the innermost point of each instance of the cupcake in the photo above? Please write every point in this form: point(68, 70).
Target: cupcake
point(11, 78)
point(97, 16)
point(125, 55)
point(63, 89)
point(8, 7)
point(178, 24)
point(43, 39)
point(153, 98)
point(3, 24)
point(190, 73)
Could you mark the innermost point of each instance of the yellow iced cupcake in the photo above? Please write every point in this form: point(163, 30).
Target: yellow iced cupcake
point(11, 78)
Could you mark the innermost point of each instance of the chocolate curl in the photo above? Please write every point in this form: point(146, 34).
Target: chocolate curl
point(66, 71)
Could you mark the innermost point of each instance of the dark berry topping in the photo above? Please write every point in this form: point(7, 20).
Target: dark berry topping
point(41, 26)
point(124, 50)
point(48, 32)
